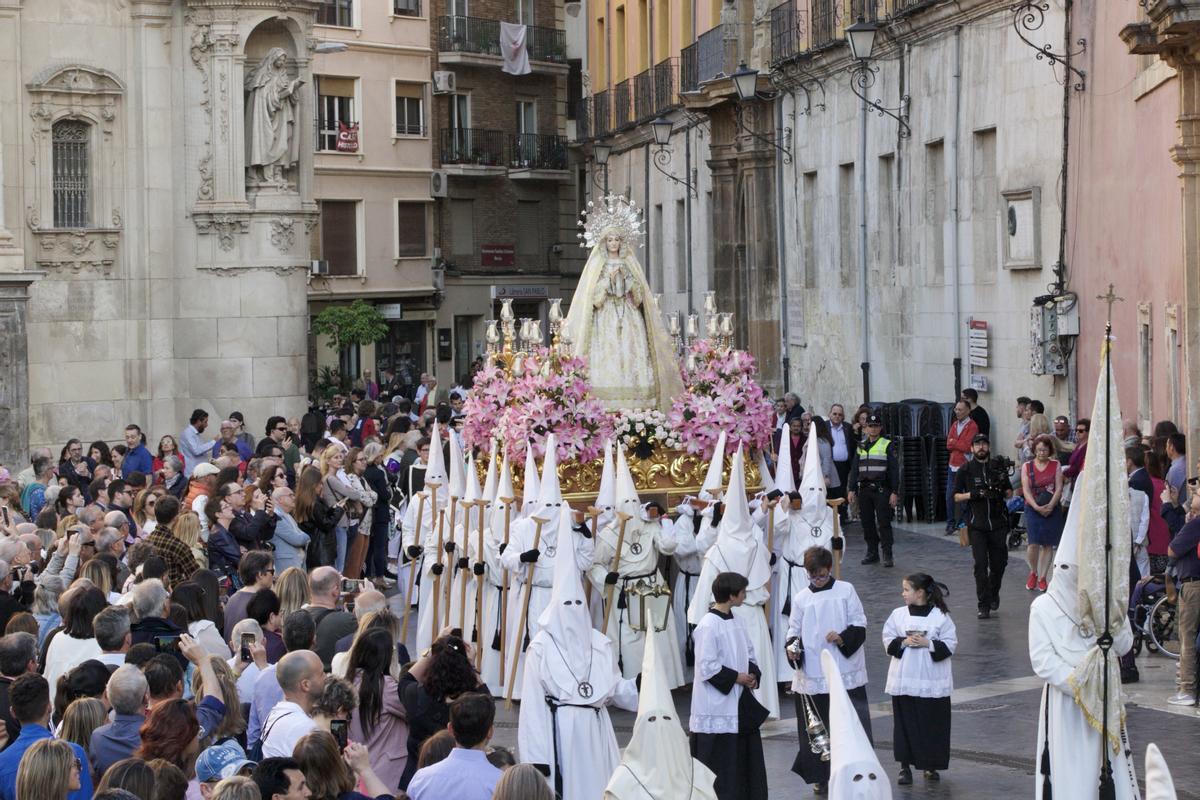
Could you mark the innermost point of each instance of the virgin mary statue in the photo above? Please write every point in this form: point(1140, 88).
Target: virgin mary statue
point(613, 320)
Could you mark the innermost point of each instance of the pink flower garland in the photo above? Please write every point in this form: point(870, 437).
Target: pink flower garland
point(519, 410)
point(721, 394)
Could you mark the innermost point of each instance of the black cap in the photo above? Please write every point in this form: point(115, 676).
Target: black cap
point(874, 419)
point(981, 437)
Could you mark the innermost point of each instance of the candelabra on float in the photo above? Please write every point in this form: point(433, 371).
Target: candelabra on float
point(512, 343)
point(718, 329)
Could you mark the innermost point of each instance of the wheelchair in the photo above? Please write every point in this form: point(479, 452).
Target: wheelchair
point(1152, 617)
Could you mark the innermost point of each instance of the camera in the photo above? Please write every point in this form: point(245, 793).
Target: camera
point(996, 480)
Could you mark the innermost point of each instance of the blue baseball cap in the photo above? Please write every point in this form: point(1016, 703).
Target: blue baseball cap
point(221, 761)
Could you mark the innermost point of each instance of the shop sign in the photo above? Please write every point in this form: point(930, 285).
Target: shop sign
point(391, 311)
point(520, 292)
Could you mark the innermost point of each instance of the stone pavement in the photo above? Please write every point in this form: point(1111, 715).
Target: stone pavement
point(996, 700)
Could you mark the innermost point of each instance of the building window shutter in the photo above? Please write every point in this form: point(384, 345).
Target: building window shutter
point(339, 236)
point(410, 227)
point(528, 238)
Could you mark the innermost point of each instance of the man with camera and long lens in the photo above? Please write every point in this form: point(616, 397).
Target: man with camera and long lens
point(982, 483)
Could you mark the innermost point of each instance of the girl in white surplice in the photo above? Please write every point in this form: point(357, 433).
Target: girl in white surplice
point(920, 637)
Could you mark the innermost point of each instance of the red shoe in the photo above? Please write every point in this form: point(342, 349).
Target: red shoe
point(1042, 585)
point(1031, 584)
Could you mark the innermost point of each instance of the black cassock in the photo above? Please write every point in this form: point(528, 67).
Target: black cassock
point(808, 765)
point(736, 758)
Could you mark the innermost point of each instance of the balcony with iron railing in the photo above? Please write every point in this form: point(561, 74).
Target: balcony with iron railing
point(622, 105)
point(583, 119)
point(601, 113)
point(666, 85)
point(475, 151)
point(643, 95)
point(534, 154)
point(714, 54)
point(785, 32)
point(800, 27)
point(475, 41)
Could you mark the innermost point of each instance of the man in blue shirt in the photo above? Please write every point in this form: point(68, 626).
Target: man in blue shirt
point(128, 692)
point(138, 459)
point(195, 450)
point(30, 700)
point(465, 774)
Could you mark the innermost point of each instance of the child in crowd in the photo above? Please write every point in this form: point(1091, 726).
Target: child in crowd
point(920, 637)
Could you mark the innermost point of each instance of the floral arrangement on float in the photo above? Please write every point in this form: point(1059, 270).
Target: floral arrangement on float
point(532, 392)
point(720, 394)
point(642, 430)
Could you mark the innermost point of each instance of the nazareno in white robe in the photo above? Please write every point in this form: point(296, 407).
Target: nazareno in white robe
point(1056, 646)
point(689, 561)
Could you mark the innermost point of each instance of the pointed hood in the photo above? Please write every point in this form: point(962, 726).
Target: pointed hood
point(736, 520)
point(1159, 785)
point(768, 483)
point(658, 760)
point(504, 489)
point(458, 481)
point(470, 517)
point(566, 617)
point(606, 498)
point(812, 485)
point(550, 496)
point(854, 770)
point(530, 486)
point(489, 481)
point(435, 472)
point(785, 481)
point(627, 500)
point(1064, 581)
point(711, 488)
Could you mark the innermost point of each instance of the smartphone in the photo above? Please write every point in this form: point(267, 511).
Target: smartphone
point(167, 643)
point(349, 586)
point(7, 519)
point(247, 641)
point(339, 729)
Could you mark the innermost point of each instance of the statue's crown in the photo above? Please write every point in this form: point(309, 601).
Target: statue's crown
point(614, 211)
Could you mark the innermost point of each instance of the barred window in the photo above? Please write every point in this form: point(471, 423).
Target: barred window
point(72, 173)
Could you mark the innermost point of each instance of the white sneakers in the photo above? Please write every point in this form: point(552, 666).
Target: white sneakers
point(1181, 699)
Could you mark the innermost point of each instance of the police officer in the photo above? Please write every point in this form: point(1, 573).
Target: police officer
point(875, 482)
point(981, 483)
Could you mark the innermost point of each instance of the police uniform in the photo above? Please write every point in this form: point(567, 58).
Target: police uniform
point(874, 478)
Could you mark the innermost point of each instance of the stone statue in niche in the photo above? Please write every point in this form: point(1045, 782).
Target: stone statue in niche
point(272, 132)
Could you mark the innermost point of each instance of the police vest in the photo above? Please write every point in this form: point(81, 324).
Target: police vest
point(872, 462)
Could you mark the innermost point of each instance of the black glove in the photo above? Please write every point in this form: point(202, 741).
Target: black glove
point(718, 512)
point(530, 556)
point(774, 495)
point(464, 563)
point(503, 547)
point(612, 578)
point(838, 543)
point(582, 530)
point(437, 569)
point(479, 568)
point(413, 551)
point(774, 558)
point(449, 546)
point(977, 494)
point(543, 768)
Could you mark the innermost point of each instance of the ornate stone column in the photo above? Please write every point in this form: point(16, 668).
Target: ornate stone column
point(12, 258)
point(226, 72)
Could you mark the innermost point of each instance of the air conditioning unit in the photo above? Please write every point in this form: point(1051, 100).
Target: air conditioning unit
point(320, 267)
point(438, 183)
point(443, 82)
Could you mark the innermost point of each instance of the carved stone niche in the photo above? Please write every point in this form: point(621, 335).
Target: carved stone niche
point(89, 100)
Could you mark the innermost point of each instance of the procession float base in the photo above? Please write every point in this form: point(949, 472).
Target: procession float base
point(663, 475)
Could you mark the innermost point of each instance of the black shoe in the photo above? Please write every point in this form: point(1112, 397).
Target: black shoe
point(995, 604)
point(932, 775)
point(984, 613)
point(820, 789)
point(872, 558)
point(905, 777)
point(387, 573)
point(887, 560)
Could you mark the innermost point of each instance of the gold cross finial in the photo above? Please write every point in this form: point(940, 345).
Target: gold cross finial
point(1109, 299)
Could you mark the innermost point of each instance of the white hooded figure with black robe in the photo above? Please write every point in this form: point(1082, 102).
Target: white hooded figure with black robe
point(657, 762)
point(419, 524)
point(501, 515)
point(737, 547)
point(1063, 638)
point(438, 569)
point(855, 771)
point(695, 515)
point(529, 558)
point(569, 679)
point(530, 487)
point(466, 555)
point(638, 589)
point(606, 502)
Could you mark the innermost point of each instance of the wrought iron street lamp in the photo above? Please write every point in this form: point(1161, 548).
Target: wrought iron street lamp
point(600, 152)
point(861, 36)
point(745, 83)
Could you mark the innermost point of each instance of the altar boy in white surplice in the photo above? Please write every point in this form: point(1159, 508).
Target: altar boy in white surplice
point(737, 547)
point(570, 678)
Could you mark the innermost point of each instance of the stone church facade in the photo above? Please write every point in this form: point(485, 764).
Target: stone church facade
point(146, 268)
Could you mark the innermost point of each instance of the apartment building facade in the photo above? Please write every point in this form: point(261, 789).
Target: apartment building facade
point(373, 140)
point(507, 199)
